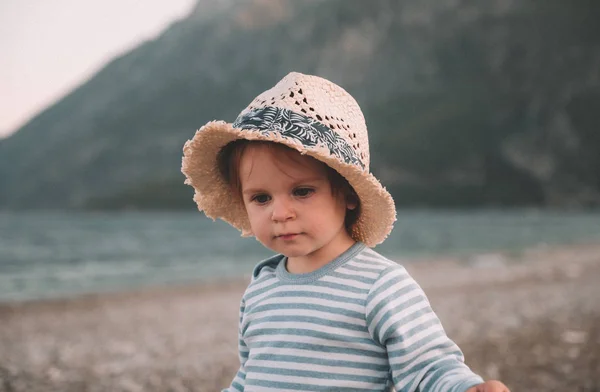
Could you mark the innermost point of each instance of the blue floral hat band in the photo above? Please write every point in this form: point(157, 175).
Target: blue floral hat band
point(298, 127)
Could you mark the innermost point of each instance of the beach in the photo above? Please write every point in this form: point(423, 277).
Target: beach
point(530, 319)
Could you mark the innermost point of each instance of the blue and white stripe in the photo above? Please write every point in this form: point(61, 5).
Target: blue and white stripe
point(361, 323)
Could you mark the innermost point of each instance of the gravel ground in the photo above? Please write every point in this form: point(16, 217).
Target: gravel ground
point(531, 320)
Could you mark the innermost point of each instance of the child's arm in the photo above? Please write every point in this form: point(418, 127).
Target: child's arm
point(239, 379)
point(421, 356)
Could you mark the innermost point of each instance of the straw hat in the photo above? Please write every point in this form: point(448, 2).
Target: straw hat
point(311, 115)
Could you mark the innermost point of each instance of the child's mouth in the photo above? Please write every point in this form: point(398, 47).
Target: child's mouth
point(288, 236)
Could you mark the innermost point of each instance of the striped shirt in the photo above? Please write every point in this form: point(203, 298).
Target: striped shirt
point(360, 323)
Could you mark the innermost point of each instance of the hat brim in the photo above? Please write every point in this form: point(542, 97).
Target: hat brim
point(213, 195)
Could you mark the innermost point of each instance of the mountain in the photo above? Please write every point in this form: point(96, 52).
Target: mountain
point(468, 103)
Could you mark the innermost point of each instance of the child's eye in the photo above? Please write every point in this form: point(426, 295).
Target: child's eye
point(261, 198)
point(303, 192)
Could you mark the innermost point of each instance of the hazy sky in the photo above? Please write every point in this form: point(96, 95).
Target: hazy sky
point(47, 47)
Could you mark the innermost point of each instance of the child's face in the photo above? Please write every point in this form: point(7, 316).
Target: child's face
point(290, 205)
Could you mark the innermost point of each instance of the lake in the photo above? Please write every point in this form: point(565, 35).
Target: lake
point(58, 254)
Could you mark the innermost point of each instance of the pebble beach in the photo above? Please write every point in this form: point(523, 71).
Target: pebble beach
point(530, 319)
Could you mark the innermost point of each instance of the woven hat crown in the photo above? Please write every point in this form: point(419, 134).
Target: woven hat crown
point(324, 102)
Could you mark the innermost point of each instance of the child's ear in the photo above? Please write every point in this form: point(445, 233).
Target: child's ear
point(351, 201)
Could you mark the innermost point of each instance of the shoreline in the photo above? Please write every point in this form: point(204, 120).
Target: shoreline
point(420, 267)
point(531, 320)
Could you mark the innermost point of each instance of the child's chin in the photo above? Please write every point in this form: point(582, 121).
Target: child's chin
point(290, 250)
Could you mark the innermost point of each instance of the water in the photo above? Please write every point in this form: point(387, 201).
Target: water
point(45, 255)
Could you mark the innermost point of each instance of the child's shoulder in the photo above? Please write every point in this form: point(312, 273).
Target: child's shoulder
point(366, 258)
point(267, 266)
point(370, 259)
point(365, 263)
point(379, 268)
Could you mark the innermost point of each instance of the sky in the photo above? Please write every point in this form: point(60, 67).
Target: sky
point(48, 47)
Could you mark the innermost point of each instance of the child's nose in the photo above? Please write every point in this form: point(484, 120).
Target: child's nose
point(282, 210)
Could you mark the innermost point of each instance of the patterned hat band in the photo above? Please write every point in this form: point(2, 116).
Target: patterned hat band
point(298, 127)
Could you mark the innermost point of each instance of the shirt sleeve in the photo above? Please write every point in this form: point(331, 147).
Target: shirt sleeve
point(239, 379)
point(421, 356)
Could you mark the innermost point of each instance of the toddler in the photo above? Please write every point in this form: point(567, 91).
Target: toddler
point(327, 313)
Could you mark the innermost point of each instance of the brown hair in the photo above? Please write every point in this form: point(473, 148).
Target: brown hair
point(230, 156)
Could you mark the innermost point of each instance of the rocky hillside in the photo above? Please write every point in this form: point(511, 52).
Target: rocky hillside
point(468, 103)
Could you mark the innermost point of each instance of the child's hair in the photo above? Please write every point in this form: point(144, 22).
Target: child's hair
point(230, 156)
